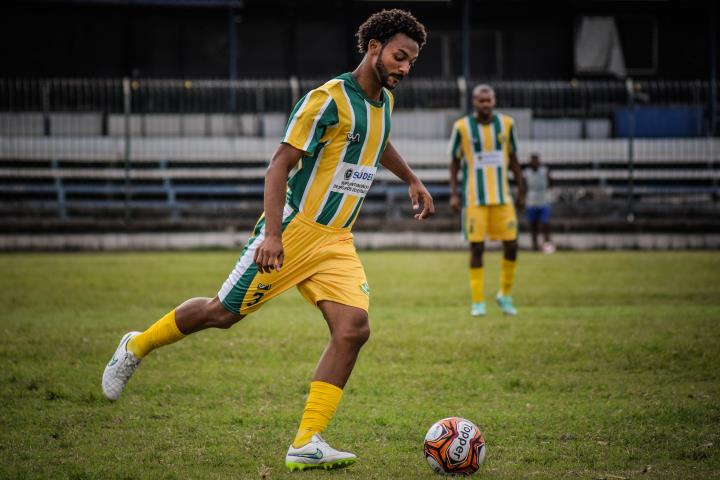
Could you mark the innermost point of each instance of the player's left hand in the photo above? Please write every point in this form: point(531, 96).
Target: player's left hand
point(270, 254)
point(418, 193)
point(455, 202)
point(520, 202)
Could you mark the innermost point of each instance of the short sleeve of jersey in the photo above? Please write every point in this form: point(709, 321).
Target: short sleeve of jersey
point(311, 116)
point(455, 142)
point(513, 140)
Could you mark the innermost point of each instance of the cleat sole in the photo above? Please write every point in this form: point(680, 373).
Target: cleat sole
point(293, 466)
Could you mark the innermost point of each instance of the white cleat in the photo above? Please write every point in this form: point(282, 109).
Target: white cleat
point(120, 368)
point(317, 454)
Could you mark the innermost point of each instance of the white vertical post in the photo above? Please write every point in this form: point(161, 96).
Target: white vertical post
point(126, 110)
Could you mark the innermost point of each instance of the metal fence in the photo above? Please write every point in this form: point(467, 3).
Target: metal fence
point(575, 98)
point(177, 154)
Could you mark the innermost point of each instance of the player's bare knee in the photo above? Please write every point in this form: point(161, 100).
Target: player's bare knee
point(361, 334)
point(476, 253)
point(225, 322)
point(510, 249)
point(220, 317)
point(356, 336)
point(355, 332)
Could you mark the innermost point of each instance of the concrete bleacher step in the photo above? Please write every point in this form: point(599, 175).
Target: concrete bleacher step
point(22, 124)
point(88, 124)
point(270, 125)
point(411, 124)
point(425, 174)
point(416, 151)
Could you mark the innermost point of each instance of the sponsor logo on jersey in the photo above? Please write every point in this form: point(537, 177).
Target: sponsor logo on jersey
point(353, 137)
point(262, 286)
point(362, 175)
point(365, 288)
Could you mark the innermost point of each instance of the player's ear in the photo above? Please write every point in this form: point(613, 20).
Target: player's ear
point(374, 46)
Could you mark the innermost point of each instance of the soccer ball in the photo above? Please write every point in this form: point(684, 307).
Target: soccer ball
point(454, 446)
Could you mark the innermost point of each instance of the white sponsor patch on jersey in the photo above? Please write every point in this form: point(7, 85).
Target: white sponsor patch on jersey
point(489, 159)
point(353, 179)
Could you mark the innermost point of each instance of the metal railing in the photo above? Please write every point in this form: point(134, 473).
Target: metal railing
point(545, 98)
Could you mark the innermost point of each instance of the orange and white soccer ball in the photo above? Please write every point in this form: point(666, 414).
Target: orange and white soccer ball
point(454, 446)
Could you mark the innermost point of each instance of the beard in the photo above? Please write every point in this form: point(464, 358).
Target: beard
point(384, 75)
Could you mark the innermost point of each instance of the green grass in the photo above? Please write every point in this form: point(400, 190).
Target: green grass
point(611, 370)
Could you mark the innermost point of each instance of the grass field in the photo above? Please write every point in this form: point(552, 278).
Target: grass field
point(611, 370)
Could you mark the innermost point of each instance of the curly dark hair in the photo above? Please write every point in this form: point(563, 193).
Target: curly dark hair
point(384, 25)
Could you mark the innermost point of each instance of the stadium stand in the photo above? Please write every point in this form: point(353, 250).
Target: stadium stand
point(178, 159)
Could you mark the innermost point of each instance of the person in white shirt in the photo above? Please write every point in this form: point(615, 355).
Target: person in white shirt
point(537, 178)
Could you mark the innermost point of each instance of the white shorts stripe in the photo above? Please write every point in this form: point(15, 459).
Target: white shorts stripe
point(246, 260)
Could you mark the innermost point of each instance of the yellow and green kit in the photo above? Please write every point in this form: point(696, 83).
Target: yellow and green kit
point(342, 134)
point(485, 151)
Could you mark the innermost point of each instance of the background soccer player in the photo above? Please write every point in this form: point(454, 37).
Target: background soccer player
point(537, 210)
point(337, 136)
point(484, 145)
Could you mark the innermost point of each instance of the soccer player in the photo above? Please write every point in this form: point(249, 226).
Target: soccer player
point(483, 145)
point(336, 137)
point(537, 177)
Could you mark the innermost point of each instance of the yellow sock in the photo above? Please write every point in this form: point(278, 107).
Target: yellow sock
point(163, 332)
point(319, 410)
point(477, 284)
point(507, 276)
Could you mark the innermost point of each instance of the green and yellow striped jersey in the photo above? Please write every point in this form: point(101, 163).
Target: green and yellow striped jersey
point(343, 134)
point(485, 150)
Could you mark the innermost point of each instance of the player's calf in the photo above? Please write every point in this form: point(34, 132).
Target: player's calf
point(200, 313)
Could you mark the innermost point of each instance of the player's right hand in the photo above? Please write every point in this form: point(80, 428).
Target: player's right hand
point(455, 202)
point(269, 255)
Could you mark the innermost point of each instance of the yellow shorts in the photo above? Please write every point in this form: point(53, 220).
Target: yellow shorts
point(495, 221)
point(321, 261)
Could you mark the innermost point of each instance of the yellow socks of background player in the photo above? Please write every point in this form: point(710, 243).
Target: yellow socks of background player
point(163, 332)
point(319, 409)
point(507, 276)
point(477, 284)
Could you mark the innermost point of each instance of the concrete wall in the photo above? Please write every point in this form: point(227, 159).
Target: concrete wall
point(363, 240)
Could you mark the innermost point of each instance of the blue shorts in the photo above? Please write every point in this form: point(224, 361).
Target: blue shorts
point(538, 214)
